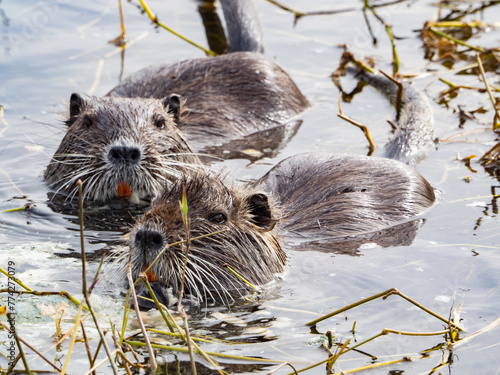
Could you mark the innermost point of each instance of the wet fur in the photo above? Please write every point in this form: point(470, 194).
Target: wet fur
point(249, 247)
point(327, 195)
point(228, 97)
point(96, 125)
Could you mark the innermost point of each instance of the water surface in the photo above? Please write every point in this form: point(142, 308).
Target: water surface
point(50, 49)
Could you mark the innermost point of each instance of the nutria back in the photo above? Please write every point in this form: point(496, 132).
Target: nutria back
point(327, 195)
point(227, 97)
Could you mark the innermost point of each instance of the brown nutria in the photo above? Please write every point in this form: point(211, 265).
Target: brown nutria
point(227, 97)
point(249, 246)
point(308, 196)
point(126, 147)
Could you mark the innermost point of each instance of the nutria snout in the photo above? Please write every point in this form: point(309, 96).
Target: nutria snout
point(120, 148)
point(124, 155)
point(308, 196)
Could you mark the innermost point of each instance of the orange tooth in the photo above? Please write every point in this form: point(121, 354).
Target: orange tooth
point(124, 190)
point(150, 275)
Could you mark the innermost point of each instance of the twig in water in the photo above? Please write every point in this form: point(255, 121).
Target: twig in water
point(84, 282)
point(490, 151)
point(395, 58)
point(298, 14)
point(453, 39)
point(18, 343)
point(338, 353)
point(121, 39)
point(363, 128)
point(497, 114)
point(383, 295)
point(155, 20)
point(11, 278)
point(87, 348)
point(73, 339)
point(281, 366)
point(153, 365)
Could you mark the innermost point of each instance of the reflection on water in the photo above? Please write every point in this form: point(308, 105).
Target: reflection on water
point(50, 49)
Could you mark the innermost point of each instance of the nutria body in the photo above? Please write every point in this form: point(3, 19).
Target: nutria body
point(325, 195)
point(227, 97)
point(309, 197)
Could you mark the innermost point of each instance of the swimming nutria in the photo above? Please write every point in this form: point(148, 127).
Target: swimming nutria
point(308, 196)
point(131, 145)
point(227, 97)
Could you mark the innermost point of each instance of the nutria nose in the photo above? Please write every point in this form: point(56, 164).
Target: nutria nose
point(148, 240)
point(124, 154)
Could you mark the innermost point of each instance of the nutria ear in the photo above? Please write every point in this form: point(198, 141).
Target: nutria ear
point(76, 105)
point(259, 208)
point(172, 104)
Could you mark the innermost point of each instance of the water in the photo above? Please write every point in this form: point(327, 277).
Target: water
point(50, 49)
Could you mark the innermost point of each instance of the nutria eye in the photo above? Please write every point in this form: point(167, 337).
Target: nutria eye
point(218, 218)
point(160, 123)
point(88, 121)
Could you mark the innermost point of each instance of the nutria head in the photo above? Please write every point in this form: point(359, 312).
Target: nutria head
point(120, 147)
point(247, 244)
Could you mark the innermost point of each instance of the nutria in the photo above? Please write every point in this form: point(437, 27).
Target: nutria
point(325, 200)
point(307, 197)
point(415, 120)
point(224, 98)
point(126, 147)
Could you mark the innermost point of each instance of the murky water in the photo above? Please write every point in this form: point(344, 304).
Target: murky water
point(50, 49)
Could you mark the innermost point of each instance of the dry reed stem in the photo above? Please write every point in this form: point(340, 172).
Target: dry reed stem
point(18, 343)
point(453, 39)
point(383, 295)
point(213, 354)
point(84, 281)
point(183, 334)
point(16, 280)
point(185, 218)
point(73, 339)
point(155, 20)
point(485, 81)
point(153, 365)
